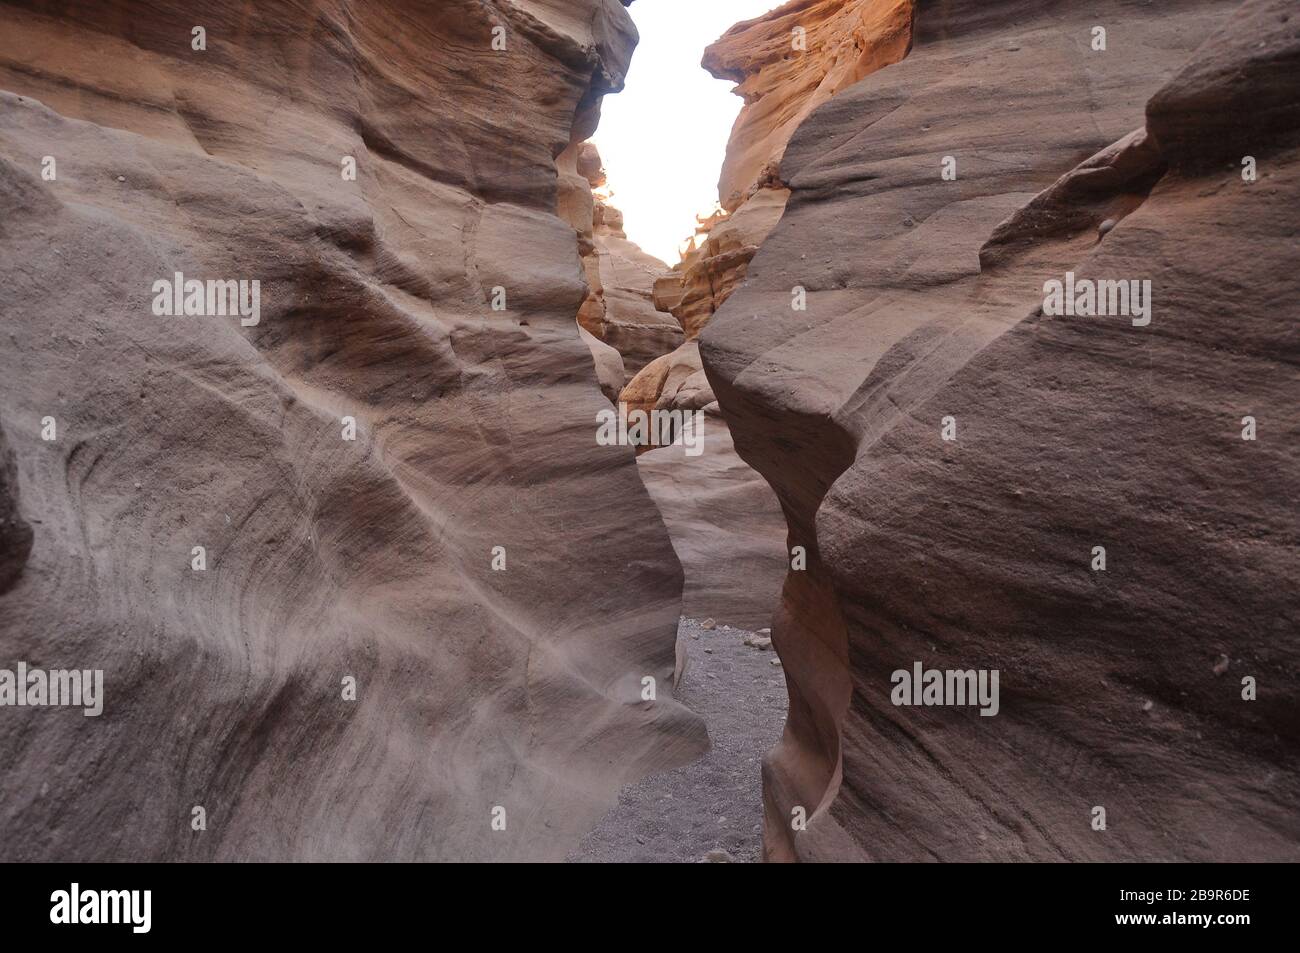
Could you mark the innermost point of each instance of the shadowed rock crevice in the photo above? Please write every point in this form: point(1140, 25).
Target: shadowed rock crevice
point(15, 532)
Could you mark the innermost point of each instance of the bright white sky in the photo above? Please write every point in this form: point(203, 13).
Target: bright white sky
point(664, 136)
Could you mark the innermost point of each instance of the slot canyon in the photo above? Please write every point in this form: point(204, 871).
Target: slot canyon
point(365, 584)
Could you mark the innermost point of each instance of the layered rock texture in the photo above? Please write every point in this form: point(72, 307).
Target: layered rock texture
point(1120, 688)
point(785, 64)
point(619, 309)
point(362, 582)
point(722, 517)
point(496, 583)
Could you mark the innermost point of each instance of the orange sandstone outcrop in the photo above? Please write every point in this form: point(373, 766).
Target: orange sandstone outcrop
point(786, 63)
point(712, 268)
point(619, 310)
point(783, 74)
point(360, 579)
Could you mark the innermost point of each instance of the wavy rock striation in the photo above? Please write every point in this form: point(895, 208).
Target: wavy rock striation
point(1123, 688)
point(325, 558)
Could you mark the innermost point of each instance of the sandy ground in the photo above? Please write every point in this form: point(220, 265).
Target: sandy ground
point(714, 804)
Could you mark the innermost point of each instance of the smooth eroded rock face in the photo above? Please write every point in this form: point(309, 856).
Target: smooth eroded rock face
point(1120, 688)
point(497, 584)
point(725, 524)
point(630, 322)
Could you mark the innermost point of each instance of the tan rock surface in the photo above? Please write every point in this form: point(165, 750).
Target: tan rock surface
point(661, 380)
point(325, 558)
point(619, 309)
point(783, 75)
point(725, 524)
point(609, 365)
point(631, 323)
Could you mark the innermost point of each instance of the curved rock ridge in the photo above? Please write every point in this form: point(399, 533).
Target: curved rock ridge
point(489, 584)
point(1100, 529)
point(725, 525)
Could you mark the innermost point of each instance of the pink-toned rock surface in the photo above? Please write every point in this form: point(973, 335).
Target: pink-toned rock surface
point(325, 558)
point(609, 365)
point(1122, 688)
point(725, 525)
point(630, 322)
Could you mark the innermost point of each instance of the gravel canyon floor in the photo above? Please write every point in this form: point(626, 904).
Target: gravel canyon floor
point(712, 808)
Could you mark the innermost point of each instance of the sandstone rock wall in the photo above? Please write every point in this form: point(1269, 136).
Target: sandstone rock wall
point(788, 62)
point(725, 525)
point(1121, 688)
point(721, 515)
point(785, 64)
point(619, 309)
point(325, 558)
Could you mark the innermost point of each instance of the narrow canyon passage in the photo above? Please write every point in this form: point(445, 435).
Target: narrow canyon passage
point(933, 501)
point(643, 321)
point(867, 312)
point(711, 809)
